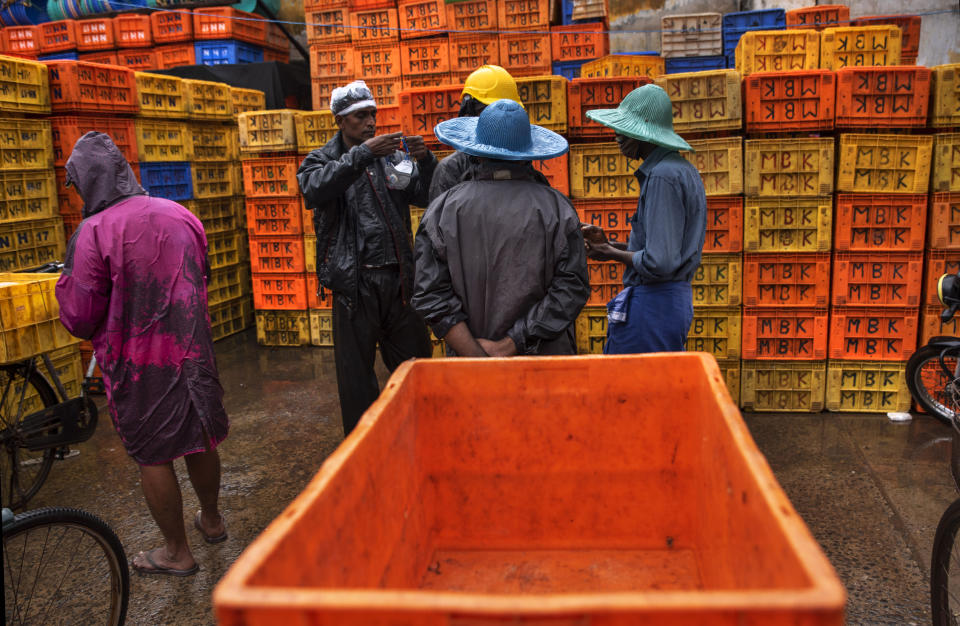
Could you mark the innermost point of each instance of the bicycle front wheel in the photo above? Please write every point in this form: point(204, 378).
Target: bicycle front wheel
point(63, 565)
point(22, 471)
point(930, 385)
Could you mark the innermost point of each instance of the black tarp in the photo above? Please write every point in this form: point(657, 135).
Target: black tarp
point(282, 83)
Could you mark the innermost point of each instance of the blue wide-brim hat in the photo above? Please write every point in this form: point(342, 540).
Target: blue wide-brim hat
point(502, 131)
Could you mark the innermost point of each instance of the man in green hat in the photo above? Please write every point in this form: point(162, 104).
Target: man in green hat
point(655, 309)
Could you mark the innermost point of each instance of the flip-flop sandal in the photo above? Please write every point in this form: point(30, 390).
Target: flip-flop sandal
point(156, 569)
point(218, 539)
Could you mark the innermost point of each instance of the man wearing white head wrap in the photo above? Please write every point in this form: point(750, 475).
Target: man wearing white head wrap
point(364, 253)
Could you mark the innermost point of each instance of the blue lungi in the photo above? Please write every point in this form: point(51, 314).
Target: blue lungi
point(649, 318)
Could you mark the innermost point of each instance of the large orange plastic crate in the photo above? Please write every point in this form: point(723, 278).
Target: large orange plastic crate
point(909, 30)
point(374, 25)
point(468, 51)
point(789, 101)
point(332, 61)
point(67, 129)
point(800, 279)
point(880, 222)
point(724, 224)
point(175, 55)
point(579, 42)
point(422, 109)
point(943, 223)
point(557, 171)
point(882, 97)
point(229, 23)
point(613, 216)
point(938, 263)
point(95, 34)
point(280, 292)
point(270, 177)
point(471, 15)
point(421, 18)
point(59, 36)
point(328, 25)
point(877, 279)
point(530, 15)
point(132, 31)
point(277, 217)
point(606, 280)
point(785, 333)
point(171, 26)
point(818, 17)
point(525, 54)
point(22, 41)
point(585, 94)
point(277, 255)
point(873, 334)
point(77, 86)
point(423, 57)
point(533, 507)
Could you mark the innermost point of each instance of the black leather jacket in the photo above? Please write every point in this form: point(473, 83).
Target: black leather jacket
point(333, 181)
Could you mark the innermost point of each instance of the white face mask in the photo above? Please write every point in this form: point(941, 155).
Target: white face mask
point(399, 171)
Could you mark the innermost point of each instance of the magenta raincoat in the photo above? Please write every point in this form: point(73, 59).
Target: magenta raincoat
point(135, 284)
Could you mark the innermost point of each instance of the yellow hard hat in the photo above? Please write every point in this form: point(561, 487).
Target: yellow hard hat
point(490, 83)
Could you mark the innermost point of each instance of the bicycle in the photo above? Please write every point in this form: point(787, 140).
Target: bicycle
point(63, 565)
point(37, 418)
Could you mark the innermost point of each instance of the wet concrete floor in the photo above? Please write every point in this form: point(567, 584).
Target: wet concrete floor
point(871, 491)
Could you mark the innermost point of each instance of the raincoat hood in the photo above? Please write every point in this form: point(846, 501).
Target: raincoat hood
point(100, 173)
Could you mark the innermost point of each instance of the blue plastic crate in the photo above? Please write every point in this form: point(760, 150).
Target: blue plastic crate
point(60, 56)
point(567, 69)
point(735, 24)
point(679, 65)
point(223, 51)
point(642, 53)
point(167, 180)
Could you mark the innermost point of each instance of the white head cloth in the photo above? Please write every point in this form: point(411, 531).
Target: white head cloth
point(346, 100)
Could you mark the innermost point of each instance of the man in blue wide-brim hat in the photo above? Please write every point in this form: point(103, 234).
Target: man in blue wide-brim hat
point(655, 309)
point(501, 263)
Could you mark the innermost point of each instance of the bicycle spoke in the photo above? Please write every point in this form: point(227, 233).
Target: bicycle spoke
point(69, 566)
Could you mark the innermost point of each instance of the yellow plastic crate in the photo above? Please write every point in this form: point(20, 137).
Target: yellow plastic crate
point(730, 370)
point(30, 243)
point(416, 214)
point(310, 253)
point(598, 170)
point(718, 281)
point(778, 51)
point(715, 330)
point(867, 386)
point(247, 100)
point(945, 95)
point(314, 129)
point(27, 195)
point(30, 317)
point(439, 347)
point(787, 224)
point(788, 167)
point(283, 328)
point(160, 140)
point(782, 386)
point(946, 163)
point(884, 163)
point(208, 100)
point(223, 249)
point(68, 367)
point(591, 330)
point(268, 131)
point(213, 142)
point(844, 46)
point(720, 163)
point(613, 65)
point(321, 327)
point(704, 101)
point(545, 99)
point(25, 144)
point(215, 179)
point(219, 215)
point(228, 283)
point(231, 317)
point(24, 86)
point(161, 96)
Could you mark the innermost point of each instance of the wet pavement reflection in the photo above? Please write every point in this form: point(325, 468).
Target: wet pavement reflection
point(871, 491)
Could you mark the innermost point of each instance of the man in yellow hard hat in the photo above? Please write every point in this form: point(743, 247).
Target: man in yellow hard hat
point(484, 86)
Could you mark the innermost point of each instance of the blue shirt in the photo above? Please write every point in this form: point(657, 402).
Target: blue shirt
point(669, 227)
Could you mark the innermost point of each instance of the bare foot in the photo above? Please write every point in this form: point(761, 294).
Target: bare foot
point(158, 561)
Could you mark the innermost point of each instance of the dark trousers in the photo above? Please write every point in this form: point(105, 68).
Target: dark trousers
point(658, 318)
point(382, 318)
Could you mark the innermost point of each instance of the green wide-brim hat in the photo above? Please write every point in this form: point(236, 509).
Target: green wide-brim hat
point(645, 114)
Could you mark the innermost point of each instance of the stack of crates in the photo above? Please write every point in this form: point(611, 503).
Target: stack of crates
point(692, 42)
point(736, 24)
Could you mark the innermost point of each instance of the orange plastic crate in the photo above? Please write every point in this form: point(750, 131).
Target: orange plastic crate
point(800, 279)
point(321, 90)
point(873, 334)
point(909, 30)
point(724, 224)
point(784, 333)
point(613, 216)
point(68, 200)
point(229, 23)
point(523, 14)
point(606, 280)
point(132, 31)
point(425, 56)
point(421, 18)
point(90, 87)
point(276, 40)
point(579, 42)
point(389, 120)
point(426, 80)
point(277, 255)
point(931, 326)
point(104, 57)
point(469, 51)
point(585, 94)
point(67, 129)
point(140, 59)
point(328, 25)
point(171, 26)
point(59, 36)
point(271, 177)
point(938, 263)
point(557, 171)
point(525, 54)
point(95, 34)
point(332, 61)
point(789, 101)
point(374, 25)
point(21, 40)
point(877, 278)
point(819, 17)
point(276, 56)
point(423, 108)
point(943, 224)
point(379, 61)
point(471, 15)
point(314, 301)
point(882, 97)
point(276, 217)
point(385, 91)
point(880, 222)
point(279, 292)
point(175, 55)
